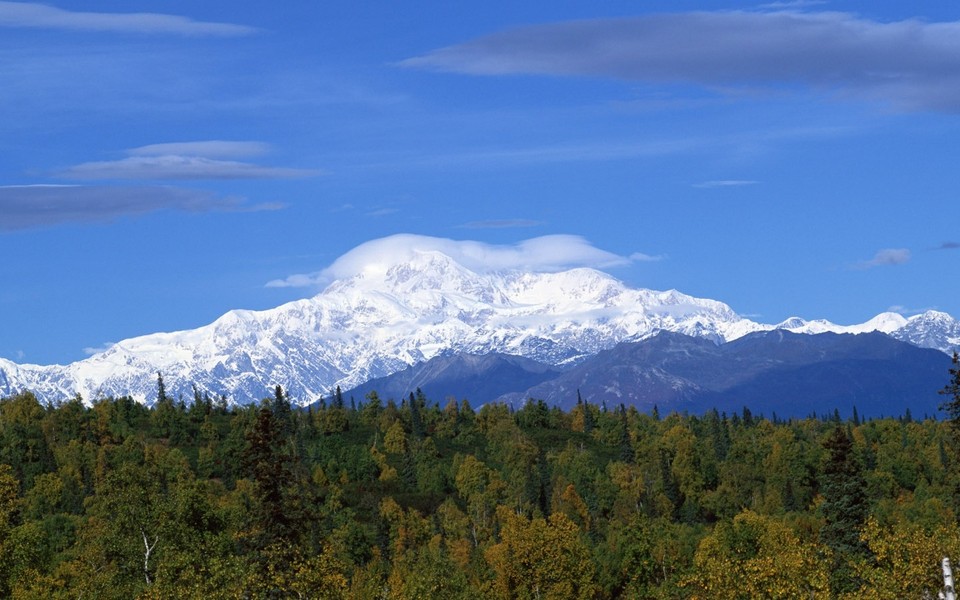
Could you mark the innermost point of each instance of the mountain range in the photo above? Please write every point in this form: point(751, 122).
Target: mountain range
point(778, 372)
point(388, 316)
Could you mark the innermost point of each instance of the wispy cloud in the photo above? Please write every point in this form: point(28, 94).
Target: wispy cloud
point(32, 206)
point(542, 254)
point(886, 257)
point(610, 150)
point(42, 16)
point(914, 65)
point(641, 257)
point(557, 153)
point(382, 212)
point(173, 167)
point(90, 351)
point(185, 161)
point(792, 4)
point(209, 149)
point(948, 246)
point(501, 224)
point(724, 183)
point(904, 310)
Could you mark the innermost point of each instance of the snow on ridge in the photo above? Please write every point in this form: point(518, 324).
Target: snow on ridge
point(382, 319)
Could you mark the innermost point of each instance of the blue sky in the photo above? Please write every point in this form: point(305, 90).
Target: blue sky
point(163, 162)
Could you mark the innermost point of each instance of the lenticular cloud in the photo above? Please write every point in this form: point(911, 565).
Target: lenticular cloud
point(542, 254)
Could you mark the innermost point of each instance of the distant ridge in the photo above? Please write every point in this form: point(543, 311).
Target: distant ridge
point(479, 379)
point(792, 375)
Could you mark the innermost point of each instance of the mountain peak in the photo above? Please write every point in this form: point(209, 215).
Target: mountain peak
point(790, 323)
point(932, 316)
point(885, 322)
point(403, 300)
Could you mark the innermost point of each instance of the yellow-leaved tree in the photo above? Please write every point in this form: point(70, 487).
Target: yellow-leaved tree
point(906, 559)
point(756, 556)
point(540, 558)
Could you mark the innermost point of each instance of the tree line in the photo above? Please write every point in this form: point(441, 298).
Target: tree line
point(425, 498)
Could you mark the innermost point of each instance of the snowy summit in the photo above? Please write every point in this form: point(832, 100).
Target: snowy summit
point(398, 301)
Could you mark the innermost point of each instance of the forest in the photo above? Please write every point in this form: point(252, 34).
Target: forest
point(422, 497)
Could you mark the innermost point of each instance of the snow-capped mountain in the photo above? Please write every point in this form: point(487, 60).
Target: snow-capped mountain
point(389, 315)
point(931, 329)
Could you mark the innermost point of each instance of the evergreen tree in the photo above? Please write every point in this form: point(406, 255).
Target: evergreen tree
point(409, 469)
point(588, 421)
point(952, 391)
point(161, 390)
point(416, 421)
point(671, 490)
point(627, 453)
point(282, 413)
point(952, 408)
point(907, 416)
point(267, 462)
point(844, 509)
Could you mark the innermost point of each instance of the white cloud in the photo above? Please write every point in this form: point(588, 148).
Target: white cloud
point(207, 149)
point(792, 4)
point(886, 257)
point(641, 257)
point(903, 310)
point(382, 212)
point(186, 161)
point(178, 167)
point(542, 254)
point(42, 16)
point(90, 351)
point(911, 64)
point(722, 183)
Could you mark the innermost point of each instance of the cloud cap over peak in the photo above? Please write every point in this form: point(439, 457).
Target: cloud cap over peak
point(911, 63)
point(548, 253)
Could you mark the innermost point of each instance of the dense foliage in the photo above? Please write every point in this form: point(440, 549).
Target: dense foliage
point(419, 499)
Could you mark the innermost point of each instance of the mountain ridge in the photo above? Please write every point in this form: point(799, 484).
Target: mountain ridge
point(388, 317)
point(790, 374)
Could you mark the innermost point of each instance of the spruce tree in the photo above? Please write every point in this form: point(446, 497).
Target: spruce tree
point(161, 389)
point(952, 391)
point(268, 464)
point(952, 408)
point(844, 509)
point(416, 421)
point(627, 453)
point(588, 420)
point(282, 412)
point(409, 469)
